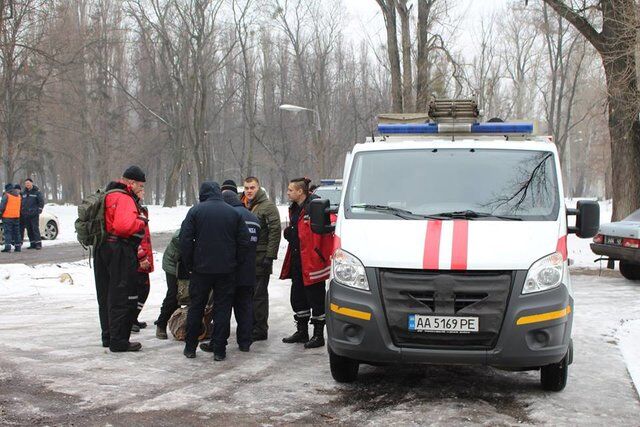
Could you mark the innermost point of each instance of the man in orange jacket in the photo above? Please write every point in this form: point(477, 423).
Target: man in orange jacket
point(10, 213)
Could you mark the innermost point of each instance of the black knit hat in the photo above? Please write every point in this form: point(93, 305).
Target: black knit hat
point(8, 187)
point(134, 173)
point(229, 184)
point(17, 187)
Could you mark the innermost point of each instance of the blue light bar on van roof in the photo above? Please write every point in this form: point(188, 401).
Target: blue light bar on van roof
point(330, 181)
point(500, 128)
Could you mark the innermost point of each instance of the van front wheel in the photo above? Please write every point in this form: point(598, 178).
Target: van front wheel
point(343, 369)
point(554, 377)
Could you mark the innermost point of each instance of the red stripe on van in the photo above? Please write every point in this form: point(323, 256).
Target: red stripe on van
point(562, 247)
point(431, 257)
point(460, 245)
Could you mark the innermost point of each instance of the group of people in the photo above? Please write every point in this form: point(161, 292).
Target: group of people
point(20, 209)
point(225, 248)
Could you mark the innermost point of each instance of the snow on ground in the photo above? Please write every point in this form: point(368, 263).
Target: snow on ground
point(629, 342)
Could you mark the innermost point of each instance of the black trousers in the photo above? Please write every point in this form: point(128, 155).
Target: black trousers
point(305, 300)
point(261, 305)
point(143, 292)
point(199, 288)
point(115, 266)
point(243, 311)
point(170, 303)
point(32, 225)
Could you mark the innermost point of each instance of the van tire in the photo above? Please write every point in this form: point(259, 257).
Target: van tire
point(630, 271)
point(554, 377)
point(343, 369)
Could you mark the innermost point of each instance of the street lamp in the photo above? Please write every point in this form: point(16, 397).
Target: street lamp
point(297, 109)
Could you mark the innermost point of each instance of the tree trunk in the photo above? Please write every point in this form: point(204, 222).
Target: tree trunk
point(407, 69)
point(389, 12)
point(624, 130)
point(422, 61)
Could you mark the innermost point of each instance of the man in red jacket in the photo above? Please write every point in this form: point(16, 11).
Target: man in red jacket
point(307, 263)
point(116, 261)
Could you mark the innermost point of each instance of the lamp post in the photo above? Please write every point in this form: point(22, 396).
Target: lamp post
point(316, 134)
point(297, 109)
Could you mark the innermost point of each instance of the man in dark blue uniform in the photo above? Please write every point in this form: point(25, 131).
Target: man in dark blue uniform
point(245, 278)
point(214, 240)
point(32, 205)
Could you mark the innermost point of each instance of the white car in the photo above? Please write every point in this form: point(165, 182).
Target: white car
point(620, 241)
point(49, 227)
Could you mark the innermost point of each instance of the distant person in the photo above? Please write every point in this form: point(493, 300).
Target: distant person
point(116, 261)
point(145, 266)
point(32, 205)
point(257, 201)
point(10, 214)
point(307, 263)
point(245, 276)
point(213, 241)
point(170, 260)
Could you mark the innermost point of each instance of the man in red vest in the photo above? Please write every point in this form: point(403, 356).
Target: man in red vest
point(10, 213)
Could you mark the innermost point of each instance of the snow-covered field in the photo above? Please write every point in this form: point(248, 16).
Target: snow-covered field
point(160, 219)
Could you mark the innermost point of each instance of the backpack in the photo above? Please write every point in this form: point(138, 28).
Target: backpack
point(90, 225)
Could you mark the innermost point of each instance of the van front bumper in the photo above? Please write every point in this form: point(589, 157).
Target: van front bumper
point(536, 330)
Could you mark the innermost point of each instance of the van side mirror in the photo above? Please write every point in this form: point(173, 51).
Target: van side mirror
point(587, 215)
point(319, 211)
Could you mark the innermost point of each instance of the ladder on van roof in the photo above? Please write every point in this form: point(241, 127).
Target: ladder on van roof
point(449, 117)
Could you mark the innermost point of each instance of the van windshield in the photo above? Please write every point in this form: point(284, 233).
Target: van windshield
point(491, 184)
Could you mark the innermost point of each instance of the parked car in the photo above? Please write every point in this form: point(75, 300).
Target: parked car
point(49, 227)
point(620, 241)
point(330, 189)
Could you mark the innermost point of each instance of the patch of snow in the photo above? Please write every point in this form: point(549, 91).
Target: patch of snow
point(629, 343)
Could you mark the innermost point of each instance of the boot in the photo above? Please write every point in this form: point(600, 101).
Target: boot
point(17, 248)
point(318, 334)
point(161, 333)
point(301, 335)
point(135, 328)
point(7, 248)
point(141, 325)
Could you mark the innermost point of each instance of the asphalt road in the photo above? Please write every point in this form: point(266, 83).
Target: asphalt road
point(69, 252)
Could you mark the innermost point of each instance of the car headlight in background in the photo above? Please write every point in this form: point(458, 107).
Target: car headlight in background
point(348, 270)
point(544, 274)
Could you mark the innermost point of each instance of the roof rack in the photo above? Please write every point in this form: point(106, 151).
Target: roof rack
point(449, 117)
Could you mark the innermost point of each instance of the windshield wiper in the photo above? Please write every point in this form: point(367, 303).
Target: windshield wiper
point(402, 213)
point(469, 214)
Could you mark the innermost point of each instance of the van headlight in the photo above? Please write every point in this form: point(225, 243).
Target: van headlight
point(348, 270)
point(544, 274)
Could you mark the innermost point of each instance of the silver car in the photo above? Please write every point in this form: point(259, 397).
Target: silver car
point(49, 227)
point(620, 241)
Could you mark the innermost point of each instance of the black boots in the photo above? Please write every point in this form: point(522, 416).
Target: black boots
point(161, 333)
point(317, 340)
point(301, 335)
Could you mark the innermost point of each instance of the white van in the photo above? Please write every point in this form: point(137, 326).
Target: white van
point(451, 248)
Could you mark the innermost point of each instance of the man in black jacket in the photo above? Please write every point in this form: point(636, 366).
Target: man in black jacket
point(245, 278)
point(32, 204)
point(214, 240)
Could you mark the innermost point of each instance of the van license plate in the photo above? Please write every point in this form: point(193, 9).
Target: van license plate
point(443, 324)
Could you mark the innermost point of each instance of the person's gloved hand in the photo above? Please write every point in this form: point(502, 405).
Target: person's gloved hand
point(288, 233)
point(267, 263)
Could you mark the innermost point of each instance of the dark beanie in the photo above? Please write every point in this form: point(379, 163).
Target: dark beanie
point(8, 187)
point(229, 185)
point(134, 173)
point(17, 187)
